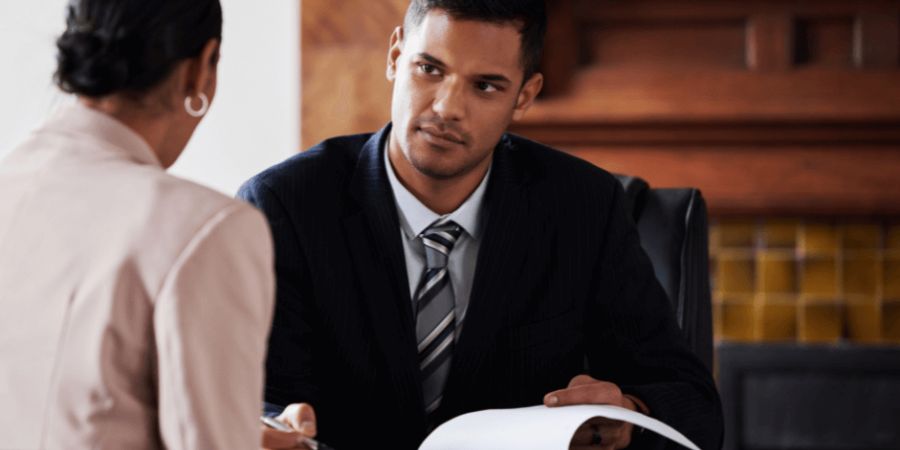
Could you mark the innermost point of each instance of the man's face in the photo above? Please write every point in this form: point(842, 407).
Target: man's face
point(456, 89)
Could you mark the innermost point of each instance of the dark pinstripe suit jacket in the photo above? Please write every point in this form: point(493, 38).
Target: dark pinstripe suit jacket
point(562, 287)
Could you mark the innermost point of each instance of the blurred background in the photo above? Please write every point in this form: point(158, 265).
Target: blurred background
point(254, 121)
point(784, 113)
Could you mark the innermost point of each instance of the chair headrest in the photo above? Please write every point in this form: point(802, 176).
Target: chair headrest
point(635, 188)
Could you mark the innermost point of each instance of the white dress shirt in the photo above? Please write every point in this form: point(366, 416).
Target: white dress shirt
point(415, 217)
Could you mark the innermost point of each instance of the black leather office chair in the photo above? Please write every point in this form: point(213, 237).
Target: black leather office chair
point(674, 232)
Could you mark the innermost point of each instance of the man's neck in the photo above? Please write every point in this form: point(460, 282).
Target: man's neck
point(442, 196)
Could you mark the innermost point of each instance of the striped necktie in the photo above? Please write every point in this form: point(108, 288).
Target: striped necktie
point(435, 312)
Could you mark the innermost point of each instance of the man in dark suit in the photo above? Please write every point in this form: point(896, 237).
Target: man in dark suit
point(441, 266)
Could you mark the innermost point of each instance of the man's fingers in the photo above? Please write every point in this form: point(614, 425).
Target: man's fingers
point(611, 436)
point(301, 417)
point(280, 440)
point(598, 433)
point(578, 380)
point(583, 436)
point(597, 393)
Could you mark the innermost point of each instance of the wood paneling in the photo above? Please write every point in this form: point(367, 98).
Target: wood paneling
point(769, 106)
point(874, 32)
point(812, 179)
point(344, 47)
point(345, 91)
point(720, 135)
point(600, 11)
point(636, 95)
point(560, 64)
point(824, 42)
point(667, 46)
point(350, 22)
point(770, 41)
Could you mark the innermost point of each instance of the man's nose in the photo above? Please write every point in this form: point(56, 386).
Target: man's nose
point(449, 102)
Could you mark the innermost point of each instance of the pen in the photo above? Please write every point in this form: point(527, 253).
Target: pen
point(309, 442)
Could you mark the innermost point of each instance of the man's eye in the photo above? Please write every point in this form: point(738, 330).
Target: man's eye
point(428, 69)
point(484, 86)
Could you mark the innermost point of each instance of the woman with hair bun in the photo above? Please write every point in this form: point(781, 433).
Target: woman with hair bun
point(134, 306)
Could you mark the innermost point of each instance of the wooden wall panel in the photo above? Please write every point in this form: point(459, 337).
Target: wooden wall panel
point(600, 11)
point(824, 42)
point(770, 41)
point(770, 106)
point(344, 46)
point(635, 95)
point(662, 46)
point(815, 180)
point(873, 30)
point(349, 22)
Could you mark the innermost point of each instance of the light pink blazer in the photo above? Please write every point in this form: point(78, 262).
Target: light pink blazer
point(134, 306)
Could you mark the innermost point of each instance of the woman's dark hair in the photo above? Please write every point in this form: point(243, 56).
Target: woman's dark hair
point(130, 46)
point(529, 15)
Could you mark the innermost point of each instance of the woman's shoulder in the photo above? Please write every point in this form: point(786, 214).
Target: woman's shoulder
point(183, 200)
point(179, 215)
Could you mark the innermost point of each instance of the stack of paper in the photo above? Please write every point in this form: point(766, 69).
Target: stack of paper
point(534, 428)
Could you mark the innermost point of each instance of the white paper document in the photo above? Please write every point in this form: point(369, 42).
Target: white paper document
point(534, 428)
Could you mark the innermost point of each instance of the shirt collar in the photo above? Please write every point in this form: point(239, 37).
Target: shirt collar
point(415, 217)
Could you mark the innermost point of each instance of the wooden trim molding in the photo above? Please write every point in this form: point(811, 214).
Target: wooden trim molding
point(769, 106)
point(784, 180)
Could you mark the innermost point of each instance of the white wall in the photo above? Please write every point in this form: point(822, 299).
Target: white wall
point(253, 123)
point(27, 57)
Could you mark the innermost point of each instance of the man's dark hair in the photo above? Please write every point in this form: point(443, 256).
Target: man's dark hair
point(530, 15)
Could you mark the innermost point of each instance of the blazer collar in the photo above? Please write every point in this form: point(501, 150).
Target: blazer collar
point(374, 233)
point(510, 224)
point(107, 133)
point(372, 230)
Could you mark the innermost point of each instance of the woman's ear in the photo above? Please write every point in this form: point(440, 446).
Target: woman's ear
point(202, 70)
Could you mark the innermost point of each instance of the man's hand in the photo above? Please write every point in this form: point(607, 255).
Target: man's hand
point(299, 416)
point(598, 433)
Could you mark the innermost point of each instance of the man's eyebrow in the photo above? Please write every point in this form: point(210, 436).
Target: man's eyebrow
point(495, 77)
point(431, 59)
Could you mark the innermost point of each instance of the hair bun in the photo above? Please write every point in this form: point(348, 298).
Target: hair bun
point(130, 46)
point(90, 65)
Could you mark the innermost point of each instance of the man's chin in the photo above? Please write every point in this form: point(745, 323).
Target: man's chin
point(437, 172)
point(438, 169)
point(438, 163)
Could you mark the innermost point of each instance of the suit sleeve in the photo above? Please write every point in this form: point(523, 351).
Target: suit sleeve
point(290, 367)
point(640, 346)
point(211, 321)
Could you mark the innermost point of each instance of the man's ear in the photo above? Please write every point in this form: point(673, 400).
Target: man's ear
point(396, 47)
point(527, 94)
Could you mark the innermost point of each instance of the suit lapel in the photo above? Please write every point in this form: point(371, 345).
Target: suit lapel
point(501, 256)
point(373, 232)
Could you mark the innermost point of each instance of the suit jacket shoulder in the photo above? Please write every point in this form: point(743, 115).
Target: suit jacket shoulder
point(565, 184)
point(327, 165)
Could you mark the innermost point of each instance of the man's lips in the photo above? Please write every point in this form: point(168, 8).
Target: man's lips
point(436, 136)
